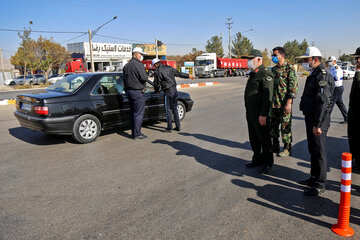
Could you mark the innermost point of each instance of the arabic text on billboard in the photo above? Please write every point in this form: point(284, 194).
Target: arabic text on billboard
point(150, 49)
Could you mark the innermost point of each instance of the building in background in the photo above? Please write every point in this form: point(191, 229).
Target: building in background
point(150, 49)
point(106, 55)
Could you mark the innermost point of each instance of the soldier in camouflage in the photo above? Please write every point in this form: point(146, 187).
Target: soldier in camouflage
point(285, 90)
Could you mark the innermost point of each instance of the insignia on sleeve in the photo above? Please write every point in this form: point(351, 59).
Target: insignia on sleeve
point(323, 71)
point(322, 83)
point(256, 70)
point(268, 78)
point(336, 67)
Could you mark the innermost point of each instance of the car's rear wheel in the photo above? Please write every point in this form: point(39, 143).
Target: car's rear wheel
point(86, 128)
point(181, 110)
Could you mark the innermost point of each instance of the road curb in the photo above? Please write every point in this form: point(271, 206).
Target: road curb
point(7, 102)
point(191, 85)
point(197, 84)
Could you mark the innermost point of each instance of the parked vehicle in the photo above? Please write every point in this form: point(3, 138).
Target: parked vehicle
point(19, 80)
point(58, 77)
point(35, 79)
point(83, 104)
point(348, 71)
point(209, 65)
point(150, 69)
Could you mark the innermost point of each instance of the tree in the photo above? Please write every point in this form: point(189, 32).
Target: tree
point(190, 57)
point(294, 49)
point(50, 54)
point(214, 45)
point(241, 46)
point(266, 59)
point(24, 56)
point(345, 58)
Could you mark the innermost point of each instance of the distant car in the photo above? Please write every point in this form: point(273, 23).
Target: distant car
point(83, 104)
point(15, 81)
point(348, 71)
point(58, 77)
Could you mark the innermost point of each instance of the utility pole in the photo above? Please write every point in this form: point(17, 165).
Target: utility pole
point(157, 48)
point(91, 52)
point(2, 64)
point(229, 27)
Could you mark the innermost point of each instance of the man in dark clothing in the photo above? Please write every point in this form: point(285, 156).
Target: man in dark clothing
point(258, 99)
point(315, 104)
point(135, 79)
point(354, 114)
point(164, 80)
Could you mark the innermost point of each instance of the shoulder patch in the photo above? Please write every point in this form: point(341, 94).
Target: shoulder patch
point(256, 70)
point(336, 67)
point(322, 83)
point(268, 78)
point(323, 71)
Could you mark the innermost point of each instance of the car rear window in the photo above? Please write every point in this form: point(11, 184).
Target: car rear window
point(69, 84)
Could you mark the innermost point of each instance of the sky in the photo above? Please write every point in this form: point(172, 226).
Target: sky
point(330, 25)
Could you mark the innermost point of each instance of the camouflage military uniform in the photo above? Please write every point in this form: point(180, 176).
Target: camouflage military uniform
point(285, 87)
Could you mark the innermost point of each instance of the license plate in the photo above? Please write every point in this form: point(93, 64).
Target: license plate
point(26, 107)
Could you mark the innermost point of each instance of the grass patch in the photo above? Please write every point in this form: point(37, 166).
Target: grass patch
point(29, 86)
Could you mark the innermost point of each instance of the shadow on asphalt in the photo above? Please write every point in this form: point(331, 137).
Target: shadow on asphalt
point(286, 196)
point(38, 138)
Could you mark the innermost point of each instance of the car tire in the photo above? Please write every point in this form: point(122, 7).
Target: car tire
point(182, 110)
point(212, 75)
point(12, 84)
point(31, 83)
point(86, 128)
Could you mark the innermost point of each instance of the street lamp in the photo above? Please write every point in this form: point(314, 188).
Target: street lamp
point(91, 35)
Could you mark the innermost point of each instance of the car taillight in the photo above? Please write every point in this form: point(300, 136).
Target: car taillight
point(41, 110)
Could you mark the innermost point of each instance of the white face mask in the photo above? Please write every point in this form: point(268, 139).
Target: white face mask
point(330, 64)
point(141, 58)
point(251, 64)
point(308, 66)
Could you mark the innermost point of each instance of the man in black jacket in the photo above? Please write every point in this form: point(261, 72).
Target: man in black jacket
point(315, 104)
point(164, 80)
point(135, 79)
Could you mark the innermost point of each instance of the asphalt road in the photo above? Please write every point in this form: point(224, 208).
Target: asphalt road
point(187, 185)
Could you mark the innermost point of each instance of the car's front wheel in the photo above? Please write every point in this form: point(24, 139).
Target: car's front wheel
point(86, 128)
point(181, 110)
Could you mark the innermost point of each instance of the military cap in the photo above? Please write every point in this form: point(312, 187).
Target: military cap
point(357, 53)
point(253, 54)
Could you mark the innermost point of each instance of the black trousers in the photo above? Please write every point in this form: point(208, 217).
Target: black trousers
point(337, 99)
point(317, 149)
point(171, 103)
point(354, 135)
point(137, 110)
point(260, 141)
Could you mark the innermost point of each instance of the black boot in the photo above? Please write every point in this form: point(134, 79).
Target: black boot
point(286, 150)
point(275, 145)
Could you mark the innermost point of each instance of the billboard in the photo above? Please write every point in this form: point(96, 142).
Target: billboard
point(102, 50)
point(150, 49)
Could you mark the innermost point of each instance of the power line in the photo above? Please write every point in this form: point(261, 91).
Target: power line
point(73, 38)
point(39, 31)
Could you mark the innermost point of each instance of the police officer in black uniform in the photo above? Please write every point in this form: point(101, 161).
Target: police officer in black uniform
point(258, 99)
point(316, 104)
point(135, 79)
point(164, 80)
point(354, 114)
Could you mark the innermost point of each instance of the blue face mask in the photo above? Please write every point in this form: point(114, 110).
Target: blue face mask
point(275, 60)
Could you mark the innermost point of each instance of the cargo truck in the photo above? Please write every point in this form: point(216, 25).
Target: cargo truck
point(150, 69)
point(209, 65)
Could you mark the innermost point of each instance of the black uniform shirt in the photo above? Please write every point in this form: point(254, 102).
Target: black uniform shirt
point(164, 77)
point(354, 104)
point(317, 96)
point(135, 76)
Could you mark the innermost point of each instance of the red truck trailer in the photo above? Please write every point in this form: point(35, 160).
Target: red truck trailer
point(209, 65)
point(150, 69)
point(75, 66)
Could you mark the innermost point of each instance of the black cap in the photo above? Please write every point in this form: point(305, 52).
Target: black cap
point(253, 54)
point(357, 53)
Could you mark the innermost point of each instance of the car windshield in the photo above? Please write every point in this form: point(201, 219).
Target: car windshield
point(29, 76)
point(20, 77)
point(69, 84)
point(344, 68)
point(202, 62)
